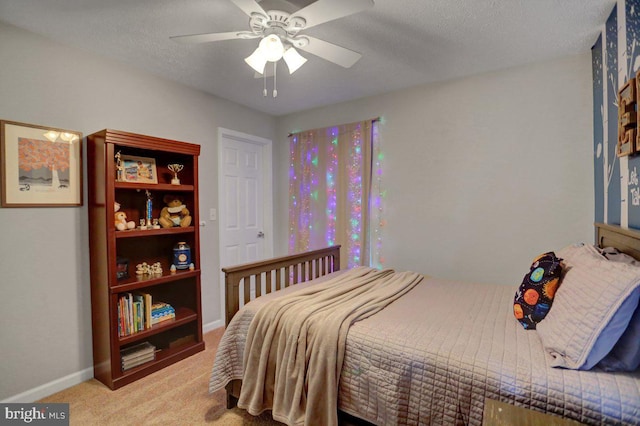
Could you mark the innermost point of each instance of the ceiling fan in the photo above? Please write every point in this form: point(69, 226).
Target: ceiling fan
point(280, 36)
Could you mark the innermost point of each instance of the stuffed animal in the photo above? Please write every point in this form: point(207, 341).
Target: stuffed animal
point(122, 223)
point(175, 213)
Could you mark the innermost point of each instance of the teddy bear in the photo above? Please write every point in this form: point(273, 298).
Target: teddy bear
point(175, 213)
point(121, 219)
point(122, 223)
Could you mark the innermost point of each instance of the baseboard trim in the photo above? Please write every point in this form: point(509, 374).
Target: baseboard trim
point(42, 391)
point(212, 326)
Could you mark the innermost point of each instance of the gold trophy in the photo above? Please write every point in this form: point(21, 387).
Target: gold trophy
point(119, 167)
point(175, 168)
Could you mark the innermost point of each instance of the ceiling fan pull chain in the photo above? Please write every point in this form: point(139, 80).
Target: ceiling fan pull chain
point(264, 79)
point(275, 90)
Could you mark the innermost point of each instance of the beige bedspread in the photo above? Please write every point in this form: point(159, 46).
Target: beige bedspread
point(295, 344)
point(434, 355)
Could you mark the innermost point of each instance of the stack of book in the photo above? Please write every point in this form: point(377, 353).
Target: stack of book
point(136, 355)
point(162, 312)
point(134, 313)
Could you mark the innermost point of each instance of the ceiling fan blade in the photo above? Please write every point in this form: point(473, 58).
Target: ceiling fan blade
point(249, 7)
point(205, 38)
point(323, 11)
point(331, 52)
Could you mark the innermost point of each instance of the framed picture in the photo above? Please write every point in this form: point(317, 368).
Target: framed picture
point(627, 99)
point(626, 144)
point(138, 169)
point(40, 166)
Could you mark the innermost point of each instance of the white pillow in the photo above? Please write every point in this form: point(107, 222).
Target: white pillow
point(586, 321)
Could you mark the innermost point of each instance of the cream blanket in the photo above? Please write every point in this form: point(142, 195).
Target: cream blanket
point(295, 346)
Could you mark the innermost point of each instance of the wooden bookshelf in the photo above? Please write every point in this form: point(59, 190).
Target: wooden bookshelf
point(174, 339)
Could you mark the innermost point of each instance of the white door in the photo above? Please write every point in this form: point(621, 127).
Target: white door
point(244, 198)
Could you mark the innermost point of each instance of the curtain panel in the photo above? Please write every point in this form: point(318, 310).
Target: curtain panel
point(330, 180)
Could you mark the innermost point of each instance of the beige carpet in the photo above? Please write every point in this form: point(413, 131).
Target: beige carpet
point(176, 395)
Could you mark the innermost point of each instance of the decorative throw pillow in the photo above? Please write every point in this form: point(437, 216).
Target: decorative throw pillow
point(592, 308)
point(535, 295)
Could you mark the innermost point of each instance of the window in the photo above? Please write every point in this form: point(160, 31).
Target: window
point(334, 192)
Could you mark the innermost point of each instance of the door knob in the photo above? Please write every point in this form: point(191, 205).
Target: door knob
point(260, 234)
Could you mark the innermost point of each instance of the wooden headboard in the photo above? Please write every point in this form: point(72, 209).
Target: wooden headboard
point(276, 273)
point(625, 240)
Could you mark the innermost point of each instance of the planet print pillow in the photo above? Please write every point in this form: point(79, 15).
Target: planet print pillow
point(535, 295)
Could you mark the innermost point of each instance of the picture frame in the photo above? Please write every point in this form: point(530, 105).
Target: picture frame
point(627, 98)
point(637, 134)
point(626, 144)
point(138, 169)
point(40, 166)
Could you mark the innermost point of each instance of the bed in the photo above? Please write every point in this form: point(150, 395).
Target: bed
point(438, 353)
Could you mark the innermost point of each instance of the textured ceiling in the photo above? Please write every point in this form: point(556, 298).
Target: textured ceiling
point(403, 42)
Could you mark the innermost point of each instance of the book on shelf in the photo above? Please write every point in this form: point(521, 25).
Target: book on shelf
point(128, 366)
point(140, 359)
point(134, 313)
point(162, 312)
point(136, 355)
point(140, 348)
point(148, 302)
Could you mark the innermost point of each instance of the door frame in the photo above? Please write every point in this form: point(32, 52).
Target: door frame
point(267, 193)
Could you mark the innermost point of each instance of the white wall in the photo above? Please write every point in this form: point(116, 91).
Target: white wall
point(482, 173)
point(45, 312)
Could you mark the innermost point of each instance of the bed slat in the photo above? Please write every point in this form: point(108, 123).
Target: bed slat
point(258, 284)
point(247, 289)
point(278, 279)
point(267, 283)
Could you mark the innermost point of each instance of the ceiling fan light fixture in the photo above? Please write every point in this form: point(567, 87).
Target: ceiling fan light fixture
point(271, 47)
point(257, 60)
point(293, 59)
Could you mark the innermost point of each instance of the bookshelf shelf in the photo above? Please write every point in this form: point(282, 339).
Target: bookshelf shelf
point(136, 233)
point(153, 186)
point(136, 283)
point(110, 250)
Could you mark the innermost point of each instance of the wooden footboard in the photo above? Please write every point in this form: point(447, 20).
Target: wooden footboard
point(276, 273)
